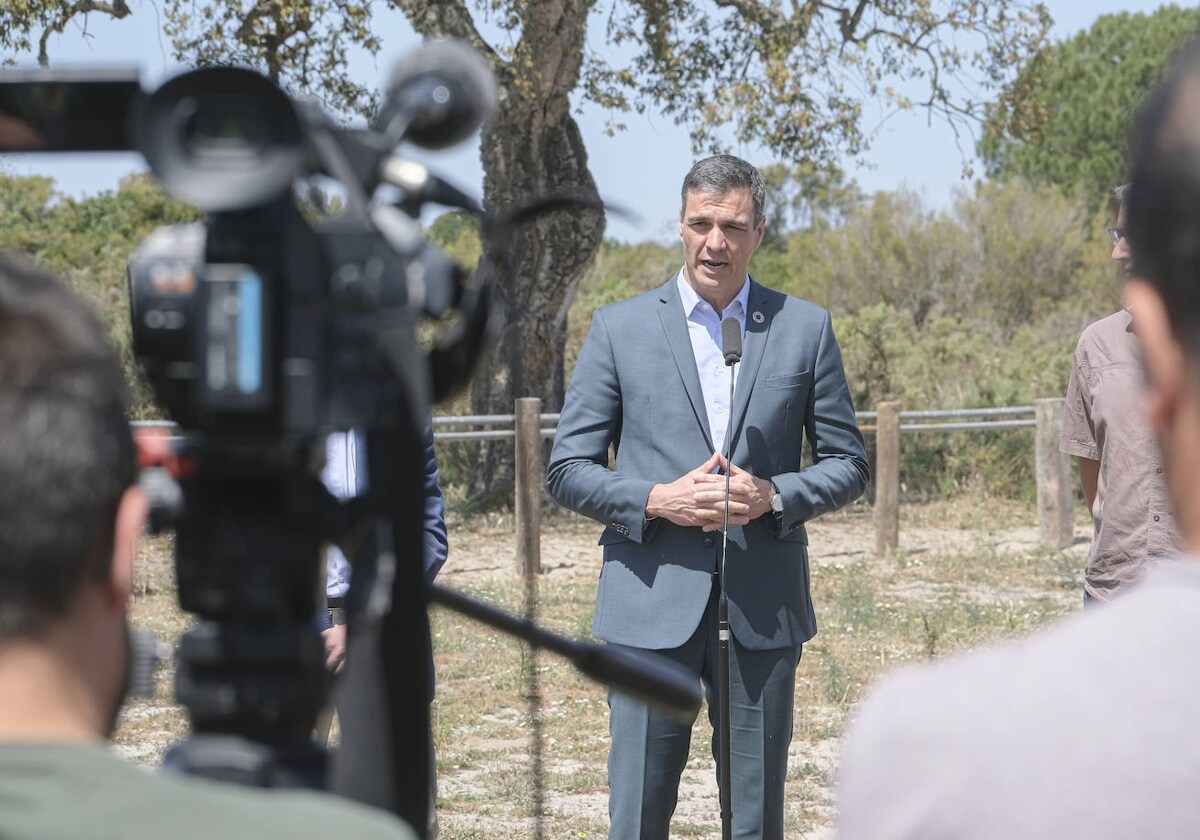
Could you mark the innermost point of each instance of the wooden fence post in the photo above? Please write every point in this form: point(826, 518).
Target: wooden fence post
point(887, 477)
point(529, 479)
point(1055, 492)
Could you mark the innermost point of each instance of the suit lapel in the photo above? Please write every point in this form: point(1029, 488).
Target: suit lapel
point(674, 322)
point(760, 311)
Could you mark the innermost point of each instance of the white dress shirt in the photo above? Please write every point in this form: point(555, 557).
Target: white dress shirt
point(704, 329)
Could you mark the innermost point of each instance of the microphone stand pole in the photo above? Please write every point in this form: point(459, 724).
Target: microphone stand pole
point(724, 763)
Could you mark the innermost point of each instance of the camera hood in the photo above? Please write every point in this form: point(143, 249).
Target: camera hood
point(222, 138)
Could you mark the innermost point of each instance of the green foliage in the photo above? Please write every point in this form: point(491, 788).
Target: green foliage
point(89, 242)
point(21, 21)
point(805, 196)
point(618, 272)
point(1002, 255)
point(300, 44)
point(791, 76)
point(953, 362)
point(794, 76)
point(979, 305)
point(458, 234)
point(1072, 124)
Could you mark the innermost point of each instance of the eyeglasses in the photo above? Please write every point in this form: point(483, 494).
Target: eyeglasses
point(1116, 235)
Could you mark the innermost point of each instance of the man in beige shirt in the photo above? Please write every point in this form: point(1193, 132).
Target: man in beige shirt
point(1120, 466)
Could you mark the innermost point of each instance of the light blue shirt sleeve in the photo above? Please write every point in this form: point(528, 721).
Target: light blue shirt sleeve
point(341, 477)
point(345, 476)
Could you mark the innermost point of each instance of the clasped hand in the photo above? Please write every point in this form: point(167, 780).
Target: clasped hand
point(697, 498)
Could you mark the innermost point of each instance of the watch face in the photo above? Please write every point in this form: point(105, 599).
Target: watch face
point(777, 503)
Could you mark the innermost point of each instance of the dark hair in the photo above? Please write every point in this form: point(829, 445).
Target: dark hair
point(718, 175)
point(1163, 204)
point(66, 451)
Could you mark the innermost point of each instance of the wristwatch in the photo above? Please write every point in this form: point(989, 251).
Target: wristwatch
point(776, 502)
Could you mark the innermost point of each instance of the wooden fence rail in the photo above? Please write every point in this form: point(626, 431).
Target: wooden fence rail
point(887, 423)
point(527, 427)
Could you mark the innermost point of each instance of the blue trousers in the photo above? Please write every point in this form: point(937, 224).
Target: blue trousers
point(649, 751)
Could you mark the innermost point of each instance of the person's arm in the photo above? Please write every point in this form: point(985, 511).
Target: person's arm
point(1078, 436)
point(437, 545)
point(840, 470)
point(1089, 479)
point(341, 477)
point(578, 476)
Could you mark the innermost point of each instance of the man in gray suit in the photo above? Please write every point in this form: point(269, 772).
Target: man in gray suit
point(652, 383)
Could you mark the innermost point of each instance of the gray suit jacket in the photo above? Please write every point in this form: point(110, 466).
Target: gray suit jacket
point(635, 387)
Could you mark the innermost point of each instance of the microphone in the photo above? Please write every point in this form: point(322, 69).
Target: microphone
point(731, 341)
point(731, 349)
point(437, 96)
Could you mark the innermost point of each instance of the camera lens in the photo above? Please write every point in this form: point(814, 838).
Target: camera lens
point(222, 126)
point(222, 138)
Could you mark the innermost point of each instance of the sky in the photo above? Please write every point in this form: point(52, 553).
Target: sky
point(639, 169)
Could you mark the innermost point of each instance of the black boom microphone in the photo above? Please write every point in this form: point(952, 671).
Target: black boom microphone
point(437, 96)
point(644, 675)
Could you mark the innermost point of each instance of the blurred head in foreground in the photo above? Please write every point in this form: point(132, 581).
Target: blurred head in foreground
point(69, 514)
point(1163, 226)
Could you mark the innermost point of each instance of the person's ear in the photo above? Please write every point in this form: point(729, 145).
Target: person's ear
point(131, 517)
point(1163, 358)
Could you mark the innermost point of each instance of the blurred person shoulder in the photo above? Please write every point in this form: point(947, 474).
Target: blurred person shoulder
point(1012, 739)
point(87, 792)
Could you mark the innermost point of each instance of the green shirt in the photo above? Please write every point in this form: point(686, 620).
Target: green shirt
point(58, 791)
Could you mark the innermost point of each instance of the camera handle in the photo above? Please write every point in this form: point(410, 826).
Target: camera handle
point(383, 692)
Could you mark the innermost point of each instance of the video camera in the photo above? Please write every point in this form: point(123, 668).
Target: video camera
point(263, 329)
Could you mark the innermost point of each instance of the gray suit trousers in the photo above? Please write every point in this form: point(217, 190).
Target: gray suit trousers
point(649, 751)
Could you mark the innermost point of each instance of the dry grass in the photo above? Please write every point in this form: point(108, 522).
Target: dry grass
point(966, 573)
point(149, 726)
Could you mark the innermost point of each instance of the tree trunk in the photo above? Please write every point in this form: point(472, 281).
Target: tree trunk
point(532, 149)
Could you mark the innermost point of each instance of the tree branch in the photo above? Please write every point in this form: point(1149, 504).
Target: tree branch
point(766, 17)
point(117, 9)
point(447, 19)
point(849, 21)
point(245, 35)
point(552, 47)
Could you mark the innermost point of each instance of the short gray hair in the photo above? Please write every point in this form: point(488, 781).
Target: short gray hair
point(720, 174)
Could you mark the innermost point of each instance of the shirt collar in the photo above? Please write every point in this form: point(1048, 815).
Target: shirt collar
point(736, 309)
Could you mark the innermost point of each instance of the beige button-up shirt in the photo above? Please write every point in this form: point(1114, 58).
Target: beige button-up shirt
point(1103, 420)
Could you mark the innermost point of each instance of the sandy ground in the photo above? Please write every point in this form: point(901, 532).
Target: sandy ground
point(569, 551)
point(484, 549)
